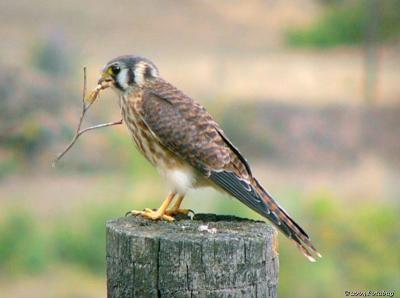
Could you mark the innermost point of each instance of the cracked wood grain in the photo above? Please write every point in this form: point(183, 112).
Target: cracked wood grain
point(162, 259)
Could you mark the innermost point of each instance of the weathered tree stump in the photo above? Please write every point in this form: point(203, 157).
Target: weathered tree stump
point(209, 256)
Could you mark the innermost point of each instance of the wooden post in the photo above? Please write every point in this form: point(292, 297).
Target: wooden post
point(209, 256)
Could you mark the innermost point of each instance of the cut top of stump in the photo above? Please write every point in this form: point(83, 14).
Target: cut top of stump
point(208, 256)
point(200, 227)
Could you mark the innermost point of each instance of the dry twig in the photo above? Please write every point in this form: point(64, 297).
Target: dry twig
point(85, 107)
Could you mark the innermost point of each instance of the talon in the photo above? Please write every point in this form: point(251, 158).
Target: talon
point(173, 212)
point(167, 218)
point(135, 212)
point(160, 213)
point(151, 214)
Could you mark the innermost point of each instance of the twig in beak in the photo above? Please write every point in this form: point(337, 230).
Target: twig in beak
point(85, 107)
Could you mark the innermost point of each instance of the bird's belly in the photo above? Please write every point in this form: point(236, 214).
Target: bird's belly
point(178, 174)
point(180, 179)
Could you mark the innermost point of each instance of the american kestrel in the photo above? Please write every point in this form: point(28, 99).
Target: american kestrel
point(180, 138)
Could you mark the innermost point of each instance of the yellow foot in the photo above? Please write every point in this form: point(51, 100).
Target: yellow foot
point(173, 211)
point(152, 214)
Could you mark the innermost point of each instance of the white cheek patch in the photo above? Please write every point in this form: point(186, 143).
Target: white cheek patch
point(140, 68)
point(122, 79)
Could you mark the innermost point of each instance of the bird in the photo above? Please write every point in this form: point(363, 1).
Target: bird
point(188, 147)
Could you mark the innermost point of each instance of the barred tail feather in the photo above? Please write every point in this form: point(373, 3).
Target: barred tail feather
point(257, 198)
point(287, 225)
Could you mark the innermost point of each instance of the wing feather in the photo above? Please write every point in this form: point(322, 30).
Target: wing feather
point(185, 128)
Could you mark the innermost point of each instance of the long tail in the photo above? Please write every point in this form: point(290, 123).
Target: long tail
point(285, 223)
point(257, 198)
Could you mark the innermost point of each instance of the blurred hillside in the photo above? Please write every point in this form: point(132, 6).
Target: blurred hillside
point(303, 88)
point(236, 50)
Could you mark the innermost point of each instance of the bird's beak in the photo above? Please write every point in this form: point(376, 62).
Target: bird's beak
point(105, 77)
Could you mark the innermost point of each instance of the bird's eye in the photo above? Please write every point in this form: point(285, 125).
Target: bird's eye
point(114, 70)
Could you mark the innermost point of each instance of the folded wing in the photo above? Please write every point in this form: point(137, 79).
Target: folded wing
point(185, 128)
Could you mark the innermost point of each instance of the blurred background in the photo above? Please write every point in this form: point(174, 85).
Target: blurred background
point(309, 90)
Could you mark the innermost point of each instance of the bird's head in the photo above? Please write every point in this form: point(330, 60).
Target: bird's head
point(127, 72)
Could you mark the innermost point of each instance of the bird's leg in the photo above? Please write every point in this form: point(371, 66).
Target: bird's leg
point(159, 213)
point(176, 208)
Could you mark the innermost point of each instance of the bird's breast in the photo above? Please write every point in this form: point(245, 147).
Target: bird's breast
point(147, 144)
point(179, 175)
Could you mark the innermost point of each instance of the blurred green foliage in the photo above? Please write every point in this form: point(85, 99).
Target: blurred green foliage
point(359, 243)
point(8, 166)
point(82, 240)
point(23, 245)
point(52, 56)
point(28, 140)
point(30, 112)
point(346, 22)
